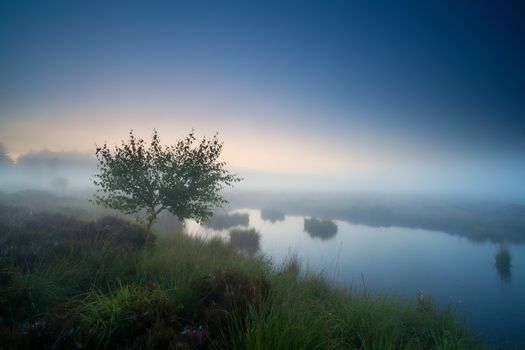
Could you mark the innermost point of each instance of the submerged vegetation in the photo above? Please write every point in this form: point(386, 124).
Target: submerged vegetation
point(70, 283)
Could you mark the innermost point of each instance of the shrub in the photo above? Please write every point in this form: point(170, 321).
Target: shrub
point(126, 314)
point(503, 263)
point(45, 239)
point(324, 229)
point(245, 240)
point(227, 295)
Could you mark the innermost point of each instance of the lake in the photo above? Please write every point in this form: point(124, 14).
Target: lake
point(406, 262)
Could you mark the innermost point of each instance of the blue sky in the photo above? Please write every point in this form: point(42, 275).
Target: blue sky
point(299, 87)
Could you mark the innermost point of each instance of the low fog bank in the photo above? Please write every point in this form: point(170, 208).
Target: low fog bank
point(474, 219)
point(62, 173)
point(72, 172)
point(500, 220)
point(490, 177)
point(66, 179)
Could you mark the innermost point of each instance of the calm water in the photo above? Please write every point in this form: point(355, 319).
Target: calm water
point(408, 262)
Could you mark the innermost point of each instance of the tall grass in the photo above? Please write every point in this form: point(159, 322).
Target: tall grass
point(118, 317)
point(309, 314)
point(89, 285)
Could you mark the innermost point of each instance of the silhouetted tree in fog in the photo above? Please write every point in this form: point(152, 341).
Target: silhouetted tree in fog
point(184, 179)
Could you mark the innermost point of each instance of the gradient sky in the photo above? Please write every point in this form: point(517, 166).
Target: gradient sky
point(364, 94)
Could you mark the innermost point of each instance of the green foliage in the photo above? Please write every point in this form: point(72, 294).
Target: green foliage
point(43, 239)
point(308, 313)
point(188, 293)
point(27, 295)
point(227, 296)
point(125, 313)
point(182, 178)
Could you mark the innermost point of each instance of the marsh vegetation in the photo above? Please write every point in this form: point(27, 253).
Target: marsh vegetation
point(323, 229)
point(503, 264)
point(74, 283)
point(477, 219)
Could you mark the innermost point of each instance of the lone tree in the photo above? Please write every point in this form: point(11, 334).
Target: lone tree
point(184, 178)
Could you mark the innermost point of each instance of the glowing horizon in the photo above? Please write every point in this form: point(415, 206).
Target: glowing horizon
point(350, 93)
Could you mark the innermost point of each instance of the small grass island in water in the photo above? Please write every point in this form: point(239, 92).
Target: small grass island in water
point(503, 263)
point(324, 229)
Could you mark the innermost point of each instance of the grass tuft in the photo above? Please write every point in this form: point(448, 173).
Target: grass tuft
point(67, 284)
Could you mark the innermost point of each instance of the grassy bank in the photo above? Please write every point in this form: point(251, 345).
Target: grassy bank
point(67, 283)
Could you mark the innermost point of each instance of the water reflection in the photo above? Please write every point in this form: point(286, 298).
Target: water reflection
point(324, 229)
point(272, 215)
point(401, 261)
point(478, 220)
point(503, 263)
point(226, 221)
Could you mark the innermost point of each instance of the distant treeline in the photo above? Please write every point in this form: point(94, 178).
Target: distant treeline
point(272, 215)
point(60, 172)
point(478, 220)
point(226, 221)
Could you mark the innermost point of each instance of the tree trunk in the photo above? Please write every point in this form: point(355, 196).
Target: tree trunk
point(149, 235)
point(151, 220)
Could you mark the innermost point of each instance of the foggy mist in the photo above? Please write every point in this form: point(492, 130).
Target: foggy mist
point(217, 174)
point(499, 178)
